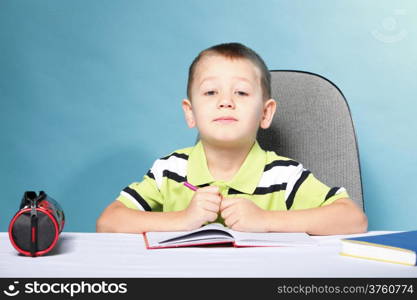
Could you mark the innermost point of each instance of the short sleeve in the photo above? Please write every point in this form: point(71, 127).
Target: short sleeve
point(144, 195)
point(304, 191)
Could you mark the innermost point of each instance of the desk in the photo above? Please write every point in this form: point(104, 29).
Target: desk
point(125, 255)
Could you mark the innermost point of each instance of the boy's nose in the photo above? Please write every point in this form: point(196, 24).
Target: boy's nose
point(226, 105)
point(226, 102)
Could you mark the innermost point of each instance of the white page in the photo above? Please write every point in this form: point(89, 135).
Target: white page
point(272, 239)
point(214, 232)
point(217, 233)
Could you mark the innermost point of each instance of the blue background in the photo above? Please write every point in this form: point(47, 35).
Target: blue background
point(90, 91)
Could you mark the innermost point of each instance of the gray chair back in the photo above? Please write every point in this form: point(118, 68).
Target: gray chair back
point(313, 126)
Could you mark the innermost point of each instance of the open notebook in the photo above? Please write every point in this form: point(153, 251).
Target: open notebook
point(216, 233)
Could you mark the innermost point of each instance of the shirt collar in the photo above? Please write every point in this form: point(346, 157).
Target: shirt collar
point(245, 180)
point(197, 170)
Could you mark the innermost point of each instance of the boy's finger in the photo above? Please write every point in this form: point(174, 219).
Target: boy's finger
point(209, 189)
point(213, 198)
point(226, 213)
point(210, 206)
point(232, 220)
point(212, 217)
point(227, 202)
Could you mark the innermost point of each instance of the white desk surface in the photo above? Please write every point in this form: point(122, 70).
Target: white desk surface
point(125, 255)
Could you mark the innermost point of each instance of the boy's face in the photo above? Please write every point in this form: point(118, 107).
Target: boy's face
point(227, 104)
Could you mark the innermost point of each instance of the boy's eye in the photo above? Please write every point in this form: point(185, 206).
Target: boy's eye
point(241, 93)
point(210, 93)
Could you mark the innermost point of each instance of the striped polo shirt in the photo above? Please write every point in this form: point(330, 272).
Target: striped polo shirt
point(271, 181)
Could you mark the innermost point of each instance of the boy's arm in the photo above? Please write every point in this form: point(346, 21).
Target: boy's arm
point(343, 216)
point(203, 207)
point(340, 217)
point(316, 208)
point(119, 218)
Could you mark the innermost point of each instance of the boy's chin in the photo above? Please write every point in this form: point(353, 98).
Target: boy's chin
point(226, 142)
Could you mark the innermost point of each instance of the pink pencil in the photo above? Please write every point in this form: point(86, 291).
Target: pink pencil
point(190, 186)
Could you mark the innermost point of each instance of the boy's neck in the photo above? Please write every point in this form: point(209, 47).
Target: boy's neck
point(223, 163)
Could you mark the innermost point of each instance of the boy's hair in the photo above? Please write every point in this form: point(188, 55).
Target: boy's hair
point(234, 51)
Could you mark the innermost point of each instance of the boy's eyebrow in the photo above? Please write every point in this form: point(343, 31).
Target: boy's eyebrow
point(214, 77)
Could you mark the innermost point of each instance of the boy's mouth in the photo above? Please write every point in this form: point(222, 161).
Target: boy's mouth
point(225, 120)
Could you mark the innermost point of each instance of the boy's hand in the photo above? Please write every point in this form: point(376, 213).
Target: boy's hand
point(243, 215)
point(204, 207)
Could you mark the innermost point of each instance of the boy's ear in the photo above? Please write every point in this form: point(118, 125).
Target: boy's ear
point(187, 107)
point(269, 109)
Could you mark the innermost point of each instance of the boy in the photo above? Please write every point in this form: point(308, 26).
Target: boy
point(237, 183)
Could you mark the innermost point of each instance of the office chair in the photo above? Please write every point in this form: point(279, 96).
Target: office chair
point(313, 126)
